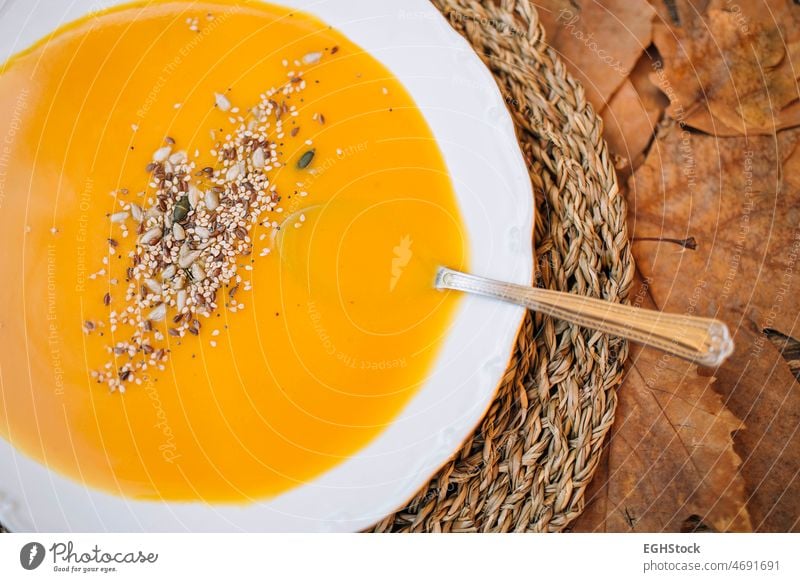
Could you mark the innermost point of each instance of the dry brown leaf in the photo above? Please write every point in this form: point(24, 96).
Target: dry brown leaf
point(731, 68)
point(631, 117)
point(759, 386)
point(730, 194)
point(627, 126)
point(739, 198)
point(600, 41)
point(670, 458)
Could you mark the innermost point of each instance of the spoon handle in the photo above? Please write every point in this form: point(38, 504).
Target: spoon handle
point(704, 341)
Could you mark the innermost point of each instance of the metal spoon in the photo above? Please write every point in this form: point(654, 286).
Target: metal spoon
point(701, 340)
point(704, 341)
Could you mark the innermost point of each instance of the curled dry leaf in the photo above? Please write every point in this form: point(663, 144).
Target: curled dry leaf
point(731, 68)
point(740, 198)
point(600, 41)
point(630, 119)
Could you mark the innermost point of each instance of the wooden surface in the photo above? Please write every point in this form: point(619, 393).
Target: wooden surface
point(703, 127)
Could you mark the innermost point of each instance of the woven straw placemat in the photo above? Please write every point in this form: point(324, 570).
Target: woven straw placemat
point(527, 465)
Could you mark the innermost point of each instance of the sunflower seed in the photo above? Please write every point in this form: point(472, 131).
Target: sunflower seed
point(312, 58)
point(151, 237)
point(186, 260)
point(178, 158)
point(159, 313)
point(153, 285)
point(197, 272)
point(212, 200)
point(136, 212)
point(161, 154)
point(195, 195)
point(234, 172)
point(181, 299)
point(222, 102)
point(177, 232)
point(258, 158)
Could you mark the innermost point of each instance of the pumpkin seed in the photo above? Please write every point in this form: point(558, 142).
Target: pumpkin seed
point(181, 209)
point(305, 159)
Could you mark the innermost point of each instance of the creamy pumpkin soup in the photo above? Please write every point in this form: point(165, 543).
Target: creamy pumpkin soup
point(220, 225)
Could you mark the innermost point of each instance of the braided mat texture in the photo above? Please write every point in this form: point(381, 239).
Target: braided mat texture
point(527, 466)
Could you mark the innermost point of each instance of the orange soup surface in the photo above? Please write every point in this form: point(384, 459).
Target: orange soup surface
point(323, 332)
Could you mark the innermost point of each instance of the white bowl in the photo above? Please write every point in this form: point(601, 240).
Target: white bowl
point(467, 114)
